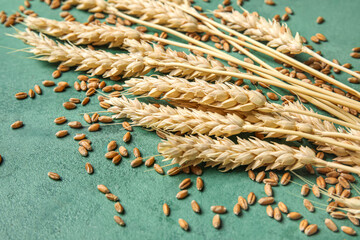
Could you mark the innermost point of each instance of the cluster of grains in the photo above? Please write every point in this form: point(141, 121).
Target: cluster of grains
point(118, 206)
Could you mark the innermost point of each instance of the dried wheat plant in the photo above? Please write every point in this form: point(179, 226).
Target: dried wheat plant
point(211, 123)
point(224, 153)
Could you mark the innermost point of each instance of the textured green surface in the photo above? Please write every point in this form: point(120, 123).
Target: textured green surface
point(33, 206)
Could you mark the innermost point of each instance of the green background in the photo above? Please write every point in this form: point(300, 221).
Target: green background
point(33, 206)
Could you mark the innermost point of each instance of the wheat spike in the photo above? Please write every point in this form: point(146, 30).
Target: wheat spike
point(158, 13)
point(78, 33)
point(226, 96)
point(94, 62)
point(226, 155)
point(222, 152)
point(277, 35)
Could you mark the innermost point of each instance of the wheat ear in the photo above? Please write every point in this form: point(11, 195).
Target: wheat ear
point(94, 62)
point(211, 123)
point(224, 96)
point(278, 36)
point(222, 152)
point(78, 33)
point(340, 99)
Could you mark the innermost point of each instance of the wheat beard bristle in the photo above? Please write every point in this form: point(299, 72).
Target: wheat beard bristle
point(222, 152)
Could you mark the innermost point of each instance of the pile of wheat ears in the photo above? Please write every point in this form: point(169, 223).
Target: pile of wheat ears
point(210, 104)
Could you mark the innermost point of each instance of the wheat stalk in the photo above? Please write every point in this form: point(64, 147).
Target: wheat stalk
point(78, 33)
point(211, 123)
point(254, 153)
point(224, 96)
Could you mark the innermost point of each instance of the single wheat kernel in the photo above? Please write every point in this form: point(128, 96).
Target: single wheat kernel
point(260, 176)
point(311, 229)
point(303, 224)
point(127, 137)
point(21, 95)
point(94, 127)
point(118, 207)
point(123, 151)
point(119, 220)
point(266, 200)
point(103, 188)
point(308, 205)
point(331, 225)
point(270, 211)
point(182, 194)
point(136, 162)
point(305, 190)
point(237, 209)
point(127, 126)
point(185, 183)
point(183, 224)
point(89, 168)
point(320, 20)
point(159, 169)
point(150, 162)
point(285, 179)
point(195, 206)
point(294, 215)
point(61, 133)
point(112, 145)
point(243, 203)
point(54, 176)
point(136, 152)
point(277, 214)
point(111, 197)
point(199, 183)
point(17, 124)
point(166, 209)
point(216, 222)
point(83, 151)
point(116, 160)
point(283, 208)
point(218, 209)
point(251, 199)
